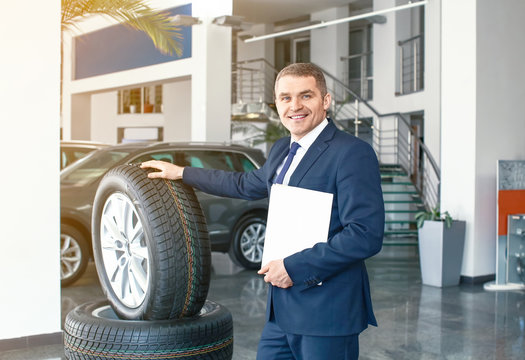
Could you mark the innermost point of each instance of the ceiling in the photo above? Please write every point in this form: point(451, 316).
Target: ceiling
point(271, 11)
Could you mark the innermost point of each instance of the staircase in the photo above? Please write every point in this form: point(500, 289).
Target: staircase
point(402, 202)
point(410, 175)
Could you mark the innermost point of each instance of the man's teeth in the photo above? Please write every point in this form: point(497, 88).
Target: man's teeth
point(297, 116)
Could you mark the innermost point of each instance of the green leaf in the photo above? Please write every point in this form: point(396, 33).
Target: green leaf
point(134, 13)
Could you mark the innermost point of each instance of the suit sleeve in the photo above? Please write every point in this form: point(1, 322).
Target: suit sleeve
point(359, 228)
point(249, 186)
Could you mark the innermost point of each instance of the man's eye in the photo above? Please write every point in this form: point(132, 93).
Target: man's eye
point(306, 96)
point(285, 98)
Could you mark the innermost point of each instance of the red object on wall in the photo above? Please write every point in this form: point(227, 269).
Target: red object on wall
point(509, 202)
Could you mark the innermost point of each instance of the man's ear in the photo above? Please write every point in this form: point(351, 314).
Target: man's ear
point(327, 101)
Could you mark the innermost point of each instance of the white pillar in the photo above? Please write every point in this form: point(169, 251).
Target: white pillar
point(29, 185)
point(330, 43)
point(482, 116)
point(384, 58)
point(211, 76)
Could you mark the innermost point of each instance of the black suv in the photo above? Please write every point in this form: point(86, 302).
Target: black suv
point(235, 226)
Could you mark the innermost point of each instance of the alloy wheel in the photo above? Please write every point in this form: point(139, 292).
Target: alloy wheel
point(70, 256)
point(252, 242)
point(124, 250)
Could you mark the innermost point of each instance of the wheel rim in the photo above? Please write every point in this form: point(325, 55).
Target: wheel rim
point(252, 242)
point(124, 250)
point(70, 256)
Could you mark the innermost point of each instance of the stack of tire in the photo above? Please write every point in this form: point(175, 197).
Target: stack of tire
point(153, 259)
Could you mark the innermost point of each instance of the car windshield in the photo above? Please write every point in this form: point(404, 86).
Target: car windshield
point(91, 167)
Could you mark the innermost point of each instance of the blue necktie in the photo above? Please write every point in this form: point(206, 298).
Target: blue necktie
point(286, 166)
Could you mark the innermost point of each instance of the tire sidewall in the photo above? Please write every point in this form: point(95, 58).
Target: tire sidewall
point(91, 331)
point(112, 184)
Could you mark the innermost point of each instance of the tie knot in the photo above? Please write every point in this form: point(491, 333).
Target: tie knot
point(294, 147)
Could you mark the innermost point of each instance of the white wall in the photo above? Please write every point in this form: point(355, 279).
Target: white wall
point(263, 49)
point(29, 185)
point(175, 118)
point(177, 114)
point(458, 124)
point(500, 108)
point(482, 115)
point(328, 44)
point(80, 127)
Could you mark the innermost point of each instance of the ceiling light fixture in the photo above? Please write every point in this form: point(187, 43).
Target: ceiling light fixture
point(185, 20)
point(372, 15)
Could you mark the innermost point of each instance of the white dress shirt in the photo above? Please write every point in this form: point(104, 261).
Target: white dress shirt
point(305, 143)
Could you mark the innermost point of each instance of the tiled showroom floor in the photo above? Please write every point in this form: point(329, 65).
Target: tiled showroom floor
point(415, 321)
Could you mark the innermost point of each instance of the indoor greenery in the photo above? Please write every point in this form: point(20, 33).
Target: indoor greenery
point(433, 215)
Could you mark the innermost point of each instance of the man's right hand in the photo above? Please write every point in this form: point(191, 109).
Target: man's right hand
point(165, 169)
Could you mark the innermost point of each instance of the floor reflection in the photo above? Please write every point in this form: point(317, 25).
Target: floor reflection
point(415, 321)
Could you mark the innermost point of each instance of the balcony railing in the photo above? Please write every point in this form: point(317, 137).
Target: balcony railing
point(252, 81)
point(411, 61)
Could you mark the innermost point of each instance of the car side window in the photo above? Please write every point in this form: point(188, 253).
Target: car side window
point(246, 164)
point(207, 159)
point(167, 156)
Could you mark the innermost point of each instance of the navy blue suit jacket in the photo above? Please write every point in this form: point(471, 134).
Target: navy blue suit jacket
point(347, 167)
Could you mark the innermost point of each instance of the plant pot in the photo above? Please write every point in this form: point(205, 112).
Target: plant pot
point(441, 252)
point(148, 108)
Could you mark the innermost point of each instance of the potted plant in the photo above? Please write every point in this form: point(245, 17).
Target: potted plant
point(441, 243)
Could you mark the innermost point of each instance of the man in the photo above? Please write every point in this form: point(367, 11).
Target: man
point(319, 298)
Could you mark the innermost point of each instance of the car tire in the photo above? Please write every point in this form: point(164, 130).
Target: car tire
point(74, 254)
point(248, 241)
point(93, 331)
point(151, 245)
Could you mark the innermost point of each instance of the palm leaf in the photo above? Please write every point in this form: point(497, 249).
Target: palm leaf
point(134, 13)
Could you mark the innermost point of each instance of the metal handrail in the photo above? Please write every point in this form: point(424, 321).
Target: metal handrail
point(349, 57)
point(403, 42)
point(411, 66)
point(253, 81)
point(427, 187)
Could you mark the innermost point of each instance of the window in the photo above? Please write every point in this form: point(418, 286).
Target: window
point(410, 51)
point(207, 159)
point(144, 100)
point(83, 172)
point(360, 61)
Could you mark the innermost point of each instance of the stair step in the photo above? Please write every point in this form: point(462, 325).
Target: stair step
point(400, 222)
point(389, 167)
point(396, 183)
point(392, 176)
point(393, 173)
point(401, 232)
point(400, 242)
point(401, 192)
point(402, 201)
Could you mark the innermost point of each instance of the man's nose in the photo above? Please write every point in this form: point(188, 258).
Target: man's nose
point(296, 104)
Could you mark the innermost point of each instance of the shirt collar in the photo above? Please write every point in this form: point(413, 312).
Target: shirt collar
point(307, 140)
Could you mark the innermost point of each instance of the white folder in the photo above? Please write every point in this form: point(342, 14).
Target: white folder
point(297, 219)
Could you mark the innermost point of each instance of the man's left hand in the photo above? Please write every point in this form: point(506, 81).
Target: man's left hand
point(275, 273)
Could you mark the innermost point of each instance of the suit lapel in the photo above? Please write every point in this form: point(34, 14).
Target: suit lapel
point(313, 153)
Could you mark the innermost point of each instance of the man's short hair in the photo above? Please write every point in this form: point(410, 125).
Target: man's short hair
point(305, 70)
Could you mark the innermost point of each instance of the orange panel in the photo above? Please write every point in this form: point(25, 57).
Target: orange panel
point(509, 202)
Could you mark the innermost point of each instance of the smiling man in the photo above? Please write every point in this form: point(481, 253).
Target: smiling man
point(319, 298)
